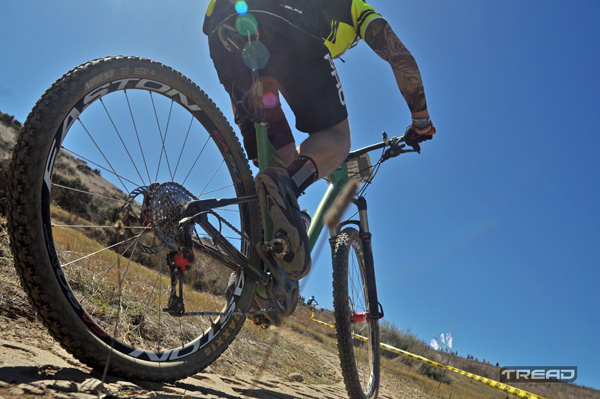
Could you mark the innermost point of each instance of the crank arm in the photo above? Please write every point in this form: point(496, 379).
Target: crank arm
point(284, 289)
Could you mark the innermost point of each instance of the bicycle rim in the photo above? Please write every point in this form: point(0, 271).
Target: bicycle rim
point(132, 141)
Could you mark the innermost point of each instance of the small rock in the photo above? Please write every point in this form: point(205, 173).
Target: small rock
point(16, 391)
point(175, 390)
point(3, 384)
point(296, 377)
point(65, 386)
point(129, 386)
point(80, 395)
point(31, 389)
point(43, 384)
point(93, 385)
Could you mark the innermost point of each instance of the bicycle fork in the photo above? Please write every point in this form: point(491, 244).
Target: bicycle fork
point(375, 310)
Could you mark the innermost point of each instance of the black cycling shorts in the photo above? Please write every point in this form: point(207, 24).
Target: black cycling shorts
point(297, 61)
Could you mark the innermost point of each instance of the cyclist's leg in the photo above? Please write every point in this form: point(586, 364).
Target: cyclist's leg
point(327, 148)
point(314, 93)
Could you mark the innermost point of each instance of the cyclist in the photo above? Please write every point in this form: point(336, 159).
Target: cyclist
point(264, 48)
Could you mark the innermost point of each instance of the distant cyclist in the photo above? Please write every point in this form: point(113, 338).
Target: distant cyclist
point(264, 48)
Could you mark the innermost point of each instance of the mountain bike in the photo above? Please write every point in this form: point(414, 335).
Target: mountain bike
point(136, 229)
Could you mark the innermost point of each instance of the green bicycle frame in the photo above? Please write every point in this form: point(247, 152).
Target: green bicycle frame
point(268, 156)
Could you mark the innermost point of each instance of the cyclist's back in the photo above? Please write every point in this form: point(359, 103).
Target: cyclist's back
point(337, 22)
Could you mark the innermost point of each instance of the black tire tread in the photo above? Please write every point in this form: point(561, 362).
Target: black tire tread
point(24, 216)
point(342, 311)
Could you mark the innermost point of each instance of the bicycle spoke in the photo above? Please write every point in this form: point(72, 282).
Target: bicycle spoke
point(137, 135)
point(183, 145)
point(195, 161)
point(85, 226)
point(212, 177)
point(159, 307)
point(103, 156)
point(162, 139)
point(118, 176)
point(99, 251)
point(215, 190)
point(87, 192)
point(165, 139)
point(119, 295)
point(147, 305)
point(122, 142)
point(93, 288)
point(357, 294)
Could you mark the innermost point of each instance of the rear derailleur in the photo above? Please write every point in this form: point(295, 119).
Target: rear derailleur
point(178, 262)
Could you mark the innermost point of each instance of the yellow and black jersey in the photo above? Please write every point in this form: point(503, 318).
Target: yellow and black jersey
point(339, 23)
point(347, 21)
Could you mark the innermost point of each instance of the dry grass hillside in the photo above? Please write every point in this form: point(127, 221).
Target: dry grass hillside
point(301, 349)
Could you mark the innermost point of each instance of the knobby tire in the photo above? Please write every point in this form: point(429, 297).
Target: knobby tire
point(83, 318)
point(360, 361)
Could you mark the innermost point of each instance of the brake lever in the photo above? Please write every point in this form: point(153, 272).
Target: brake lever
point(395, 148)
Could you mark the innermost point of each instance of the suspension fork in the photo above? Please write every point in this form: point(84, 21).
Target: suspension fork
point(375, 309)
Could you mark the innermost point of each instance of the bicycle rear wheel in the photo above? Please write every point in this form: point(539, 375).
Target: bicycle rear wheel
point(357, 333)
point(100, 170)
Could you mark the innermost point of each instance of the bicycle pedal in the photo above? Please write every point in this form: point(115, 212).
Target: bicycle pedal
point(283, 292)
point(261, 321)
point(279, 247)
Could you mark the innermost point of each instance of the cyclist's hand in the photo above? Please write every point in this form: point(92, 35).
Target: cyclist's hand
point(413, 136)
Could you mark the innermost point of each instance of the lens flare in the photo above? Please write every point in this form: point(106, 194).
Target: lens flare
point(246, 25)
point(241, 7)
point(270, 100)
point(255, 55)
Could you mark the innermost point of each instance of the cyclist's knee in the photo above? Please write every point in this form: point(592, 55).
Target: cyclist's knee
point(340, 135)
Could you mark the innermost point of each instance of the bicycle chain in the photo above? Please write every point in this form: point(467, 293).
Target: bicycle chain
point(243, 314)
point(232, 227)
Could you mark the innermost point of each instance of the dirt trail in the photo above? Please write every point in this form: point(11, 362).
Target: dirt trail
point(33, 365)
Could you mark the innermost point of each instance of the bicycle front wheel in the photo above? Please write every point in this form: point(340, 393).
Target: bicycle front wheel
point(102, 166)
point(357, 333)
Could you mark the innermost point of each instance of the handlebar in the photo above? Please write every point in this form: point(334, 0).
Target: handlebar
point(395, 148)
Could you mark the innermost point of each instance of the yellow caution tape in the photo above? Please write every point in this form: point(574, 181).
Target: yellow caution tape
point(494, 384)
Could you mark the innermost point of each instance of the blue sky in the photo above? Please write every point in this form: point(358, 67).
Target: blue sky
point(492, 232)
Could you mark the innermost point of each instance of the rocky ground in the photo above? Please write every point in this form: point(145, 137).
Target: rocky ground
point(33, 365)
